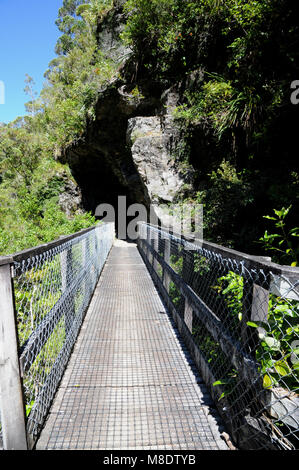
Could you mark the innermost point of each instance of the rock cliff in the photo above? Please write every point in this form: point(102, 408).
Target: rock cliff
point(130, 147)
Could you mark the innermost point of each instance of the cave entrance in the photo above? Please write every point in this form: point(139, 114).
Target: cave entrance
point(100, 185)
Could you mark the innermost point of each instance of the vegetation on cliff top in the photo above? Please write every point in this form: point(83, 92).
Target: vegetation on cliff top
point(234, 62)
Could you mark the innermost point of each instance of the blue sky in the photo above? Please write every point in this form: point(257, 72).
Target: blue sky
point(28, 35)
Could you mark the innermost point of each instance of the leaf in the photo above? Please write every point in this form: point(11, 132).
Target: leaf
point(222, 395)
point(267, 382)
point(221, 382)
point(292, 329)
point(251, 323)
point(278, 213)
point(273, 343)
point(275, 235)
point(282, 368)
point(29, 407)
point(282, 308)
point(262, 333)
point(267, 364)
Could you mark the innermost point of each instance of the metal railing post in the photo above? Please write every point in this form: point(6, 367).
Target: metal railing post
point(155, 246)
point(11, 394)
point(255, 308)
point(66, 260)
point(85, 258)
point(188, 266)
point(166, 277)
point(148, 239)
point(188, 315)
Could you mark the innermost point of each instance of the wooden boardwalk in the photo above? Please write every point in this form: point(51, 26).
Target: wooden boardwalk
point(130, 383)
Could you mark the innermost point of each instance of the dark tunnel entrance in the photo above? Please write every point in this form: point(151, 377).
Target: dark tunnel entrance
point(100, 185)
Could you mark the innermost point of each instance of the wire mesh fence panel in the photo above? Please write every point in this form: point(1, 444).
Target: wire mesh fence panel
point(53, 287)
point(240, 317)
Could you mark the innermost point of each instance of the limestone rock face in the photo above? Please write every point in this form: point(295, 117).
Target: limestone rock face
point(70, 200)
point(108, 34)
point(151, 154)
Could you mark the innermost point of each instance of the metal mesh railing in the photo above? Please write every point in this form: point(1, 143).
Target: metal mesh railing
point(239, 315)
point(53, 285)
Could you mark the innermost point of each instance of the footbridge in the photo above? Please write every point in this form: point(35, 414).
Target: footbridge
point(162, 343)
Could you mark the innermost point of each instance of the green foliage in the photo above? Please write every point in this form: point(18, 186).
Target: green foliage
point(75, 77)
point(209, 103)
point(166, 31)
point(275, 352)
point(31, 214)
point(227, 383)
point(231, 286)
point(31, 181)
point(225, 196)
point(233, 62)
point(278, 335)
point(284, 245)
point(20, 151)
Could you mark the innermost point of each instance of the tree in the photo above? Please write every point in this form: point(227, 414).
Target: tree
point(20, 151)
point(69, 24)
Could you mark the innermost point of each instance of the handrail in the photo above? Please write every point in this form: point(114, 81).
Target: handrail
point(251, 261)
point(238, 315)
point(44, 293)
point(39, 249)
